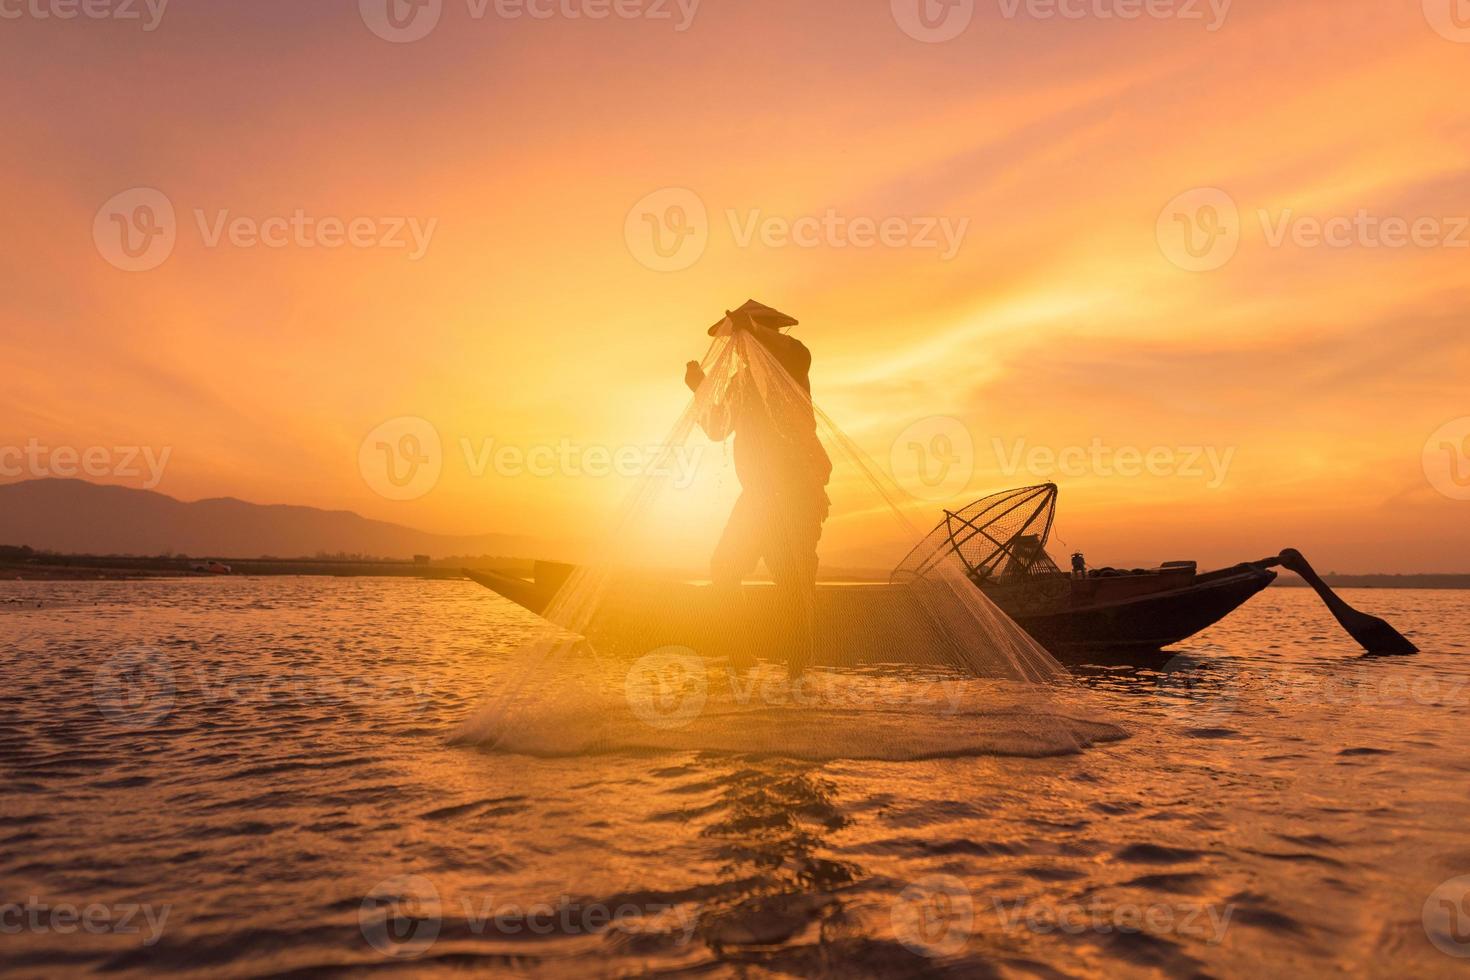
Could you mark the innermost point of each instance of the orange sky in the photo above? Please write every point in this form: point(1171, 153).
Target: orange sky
point(1319, 372)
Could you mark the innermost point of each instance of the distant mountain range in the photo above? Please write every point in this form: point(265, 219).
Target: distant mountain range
point(77, 517)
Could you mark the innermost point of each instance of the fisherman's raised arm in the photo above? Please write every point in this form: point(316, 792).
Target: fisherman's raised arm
point(716, 418)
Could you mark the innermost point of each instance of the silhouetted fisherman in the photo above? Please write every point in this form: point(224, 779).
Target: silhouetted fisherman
point(782, 468)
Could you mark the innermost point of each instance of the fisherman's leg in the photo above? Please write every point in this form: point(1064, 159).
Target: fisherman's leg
point(791, 556)
point(735, 557)
point(739, 550)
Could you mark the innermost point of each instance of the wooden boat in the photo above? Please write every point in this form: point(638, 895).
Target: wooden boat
point(1000, 542)
point(1140, 612)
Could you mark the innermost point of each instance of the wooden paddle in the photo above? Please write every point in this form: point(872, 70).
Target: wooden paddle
point(1372, 633)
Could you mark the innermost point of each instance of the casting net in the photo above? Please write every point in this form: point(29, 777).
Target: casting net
point(1001, 538)
point(704, 622)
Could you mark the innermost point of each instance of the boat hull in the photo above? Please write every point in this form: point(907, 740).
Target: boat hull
point(871, 623)
point(1151, 622)
point(855, 624)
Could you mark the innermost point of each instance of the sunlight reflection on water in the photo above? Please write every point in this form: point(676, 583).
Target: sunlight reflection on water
point(268, 760)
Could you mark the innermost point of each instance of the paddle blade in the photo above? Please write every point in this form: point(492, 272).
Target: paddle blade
point(1373, 634)
point(1378, 637)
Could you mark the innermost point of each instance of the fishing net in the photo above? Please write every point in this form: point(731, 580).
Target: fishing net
point(1001, 538)
point(705, 622)
point(1000, 544)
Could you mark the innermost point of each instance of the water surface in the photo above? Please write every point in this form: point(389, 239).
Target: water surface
point(260, 769)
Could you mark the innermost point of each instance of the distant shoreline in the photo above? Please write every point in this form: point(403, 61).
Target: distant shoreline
point(1407, 581)
point(125, 567)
